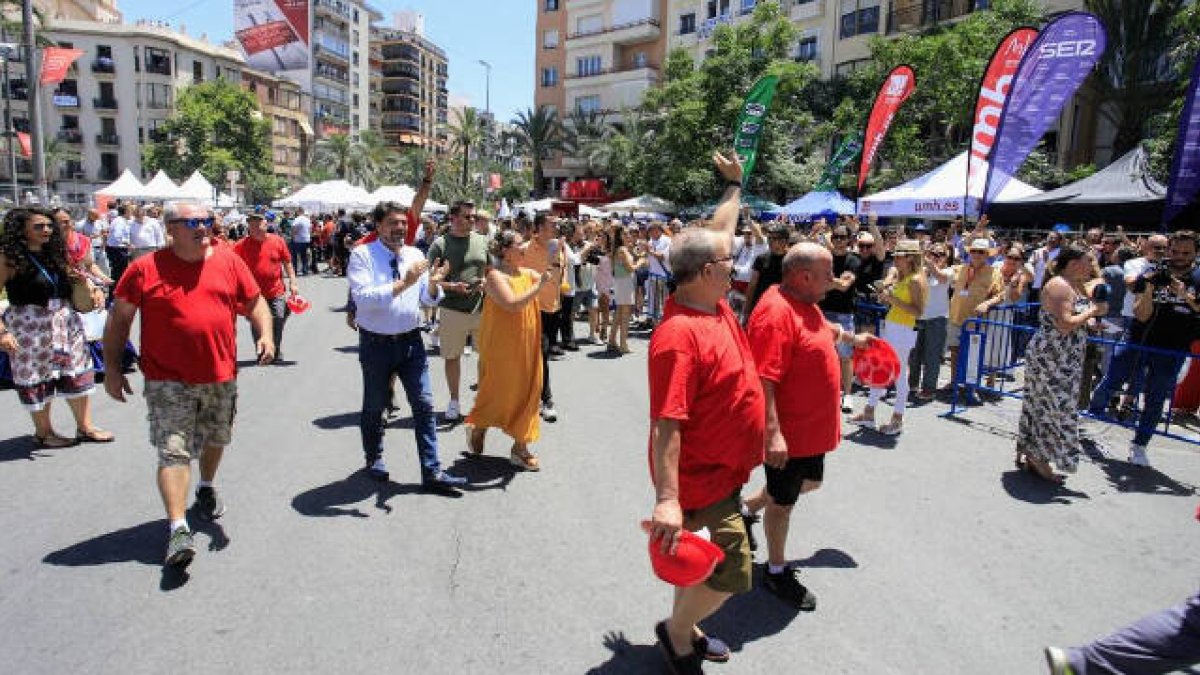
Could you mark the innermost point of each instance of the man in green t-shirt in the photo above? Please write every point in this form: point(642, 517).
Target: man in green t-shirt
point(466, 251)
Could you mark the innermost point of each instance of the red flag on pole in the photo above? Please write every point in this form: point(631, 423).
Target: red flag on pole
point(895, 90)
point(26, 146)
point(55, 63)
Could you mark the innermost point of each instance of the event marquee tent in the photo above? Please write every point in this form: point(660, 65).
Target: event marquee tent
point(938, 194)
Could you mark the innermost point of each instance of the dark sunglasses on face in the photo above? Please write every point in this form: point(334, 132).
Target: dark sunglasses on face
point(866, 245)
point(714, 261)
point(193, 223)
point(937, 254)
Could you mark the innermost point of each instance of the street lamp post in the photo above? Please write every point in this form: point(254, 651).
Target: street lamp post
point(487, 100)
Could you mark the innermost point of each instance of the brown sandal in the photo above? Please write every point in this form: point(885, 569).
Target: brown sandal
point(53, 441)
point(522, 457)
point(94, 435)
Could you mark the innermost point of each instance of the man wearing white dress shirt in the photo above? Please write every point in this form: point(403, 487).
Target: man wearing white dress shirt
point(146, 233)
point(95, 228)
point(388, 283)
point(116, 245)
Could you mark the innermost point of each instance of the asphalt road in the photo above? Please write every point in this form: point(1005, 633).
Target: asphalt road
point(929, 554)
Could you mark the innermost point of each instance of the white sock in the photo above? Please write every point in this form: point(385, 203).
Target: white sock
point(204, 483)
point(176, 524)
point(776, 569)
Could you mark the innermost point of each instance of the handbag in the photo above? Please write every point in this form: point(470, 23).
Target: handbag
point(82, 299)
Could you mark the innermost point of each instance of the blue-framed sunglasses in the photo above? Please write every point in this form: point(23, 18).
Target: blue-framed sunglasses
point(194, 223)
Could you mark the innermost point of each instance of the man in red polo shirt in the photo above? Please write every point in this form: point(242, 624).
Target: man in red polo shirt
point(188, 295)
point(706, 435)
point(266, 254)
point(795, 350)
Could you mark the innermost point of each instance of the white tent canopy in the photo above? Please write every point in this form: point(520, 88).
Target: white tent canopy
point(333, 194)
point(160, 187)
point(937, 194)
point(403, 194)
point(534, 206)
point(127, 186)
point(642, 204)
point(196, 188)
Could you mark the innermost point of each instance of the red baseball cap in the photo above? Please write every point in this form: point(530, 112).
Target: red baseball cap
point(877, 364)
point(694, 559)
point(298, 304)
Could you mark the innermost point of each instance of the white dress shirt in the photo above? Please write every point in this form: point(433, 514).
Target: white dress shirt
point(118, 233)
point(378, 309)
point(302, 230)
point(148, 233)
point(662, 245)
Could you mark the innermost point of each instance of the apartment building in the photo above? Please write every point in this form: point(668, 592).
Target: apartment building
point(414, 92)
point(103, 11)
point(289, 110)
point(340, 76)
point(596, 56)
point(114, 98)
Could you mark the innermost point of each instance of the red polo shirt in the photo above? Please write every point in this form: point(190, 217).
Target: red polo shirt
point(264, 259)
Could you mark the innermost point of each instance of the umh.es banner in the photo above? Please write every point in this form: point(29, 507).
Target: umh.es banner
point(273, 34)
point(847, 150)
point(55, 63)
point(895, 90)
point(750, 122)
point(1185, 166)
point(1053, 68)
point(993, 92)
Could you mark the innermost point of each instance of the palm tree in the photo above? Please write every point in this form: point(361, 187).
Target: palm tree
point(336, 151)
point(370, 159)
point(1128, 76)
point(465, 133)
point(538, 133)
point(587, 137)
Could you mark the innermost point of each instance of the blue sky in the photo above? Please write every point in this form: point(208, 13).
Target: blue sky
point(469, 30)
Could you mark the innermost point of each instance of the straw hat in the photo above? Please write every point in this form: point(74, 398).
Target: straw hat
point(907, 247)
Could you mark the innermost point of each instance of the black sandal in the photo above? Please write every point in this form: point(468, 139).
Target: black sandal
point(688, 664)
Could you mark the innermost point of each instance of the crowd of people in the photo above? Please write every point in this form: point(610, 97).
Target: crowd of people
point(753, 326)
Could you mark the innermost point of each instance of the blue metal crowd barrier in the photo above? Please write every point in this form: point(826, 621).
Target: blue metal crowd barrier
point(992, 351)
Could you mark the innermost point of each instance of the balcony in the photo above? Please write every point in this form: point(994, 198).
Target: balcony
point(72, 136)
point(158, 65)
point(395, 86)
point(707, 27)
point(108, 139)
point(104, 103)
point(104, 66)
point(330, 54)
point(401, 70)
point(913, 15)
point(17, 91)
point(803, 11)
point(157, 135)
point(642, 30)
point(650, 71)
point(401, 126)
point(337, 8)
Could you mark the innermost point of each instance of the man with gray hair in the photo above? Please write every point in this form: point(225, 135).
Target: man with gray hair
point(794, 347)
point(188, 294)
point(706, 434)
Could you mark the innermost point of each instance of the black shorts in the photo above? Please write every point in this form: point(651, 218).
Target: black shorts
point(784, 484)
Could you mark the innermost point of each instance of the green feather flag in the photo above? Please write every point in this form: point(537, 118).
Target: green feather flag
point(750, 122)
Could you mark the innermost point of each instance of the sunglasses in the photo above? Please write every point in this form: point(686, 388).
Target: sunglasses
point(1015, 257)
point(193, 223)
point(936, 254)
point(866, 245)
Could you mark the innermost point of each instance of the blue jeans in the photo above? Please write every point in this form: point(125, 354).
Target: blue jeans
point(1159, 643)
point(300, 256)
point(380, 356)
point(1156, 372)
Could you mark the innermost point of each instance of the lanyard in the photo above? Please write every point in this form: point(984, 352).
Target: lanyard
point(53, 279)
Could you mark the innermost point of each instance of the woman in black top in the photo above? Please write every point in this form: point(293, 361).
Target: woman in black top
point(42, 335)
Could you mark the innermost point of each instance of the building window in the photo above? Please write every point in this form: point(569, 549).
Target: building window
point(550, 39)
point(807, 50)
point(197, 72)
point(687, 23)
point(859, 17)
point(551, 5)
point(587, 66)
point(587, 104)
point(588, 25)
point(849, 67)
point(158, 61)
point(550, 77)
point(748, 6)
point(718, 8)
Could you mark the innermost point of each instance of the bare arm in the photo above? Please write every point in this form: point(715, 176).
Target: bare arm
point(260, 318)
point(1056, 298)
point(116, 334)
point(667, 519)
point(776, 454)
point(499, 291)
point(880, 251)
point(725, 218)
point(419, 199)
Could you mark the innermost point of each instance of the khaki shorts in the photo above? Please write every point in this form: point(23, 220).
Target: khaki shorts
point(453, 330)
point(186, 418)
point(728, 530)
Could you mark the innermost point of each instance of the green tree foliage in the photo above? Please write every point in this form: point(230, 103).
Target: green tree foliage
point(1164, 124)
point(538, 134)
point(466, 132)
point(217, 126)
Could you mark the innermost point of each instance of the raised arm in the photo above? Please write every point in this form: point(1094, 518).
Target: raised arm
point(725, 218)
point(419, 199)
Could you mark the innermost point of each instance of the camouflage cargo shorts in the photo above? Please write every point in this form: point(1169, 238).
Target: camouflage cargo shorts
point(186, 418)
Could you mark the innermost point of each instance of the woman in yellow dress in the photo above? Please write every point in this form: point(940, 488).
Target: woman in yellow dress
point(510, 362)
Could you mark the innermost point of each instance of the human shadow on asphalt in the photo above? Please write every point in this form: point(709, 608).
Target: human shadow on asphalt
point(1126, 477)
point(340, 498)
point(350, 419)
point(747, 617)
point(483, 472)
point(628, 658)
point(1029, 488)
point(605, 355)
point(872, 438)
point(21, 448)
point(833, 558)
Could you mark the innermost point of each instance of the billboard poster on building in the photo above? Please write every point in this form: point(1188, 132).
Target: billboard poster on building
point(273, 34)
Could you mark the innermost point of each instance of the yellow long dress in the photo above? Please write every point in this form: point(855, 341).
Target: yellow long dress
point(510, 366)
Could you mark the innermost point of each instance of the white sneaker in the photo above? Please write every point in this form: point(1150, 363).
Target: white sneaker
point(467, 351)
point(452, 412)
point(548, 413)
point(1137, 455)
